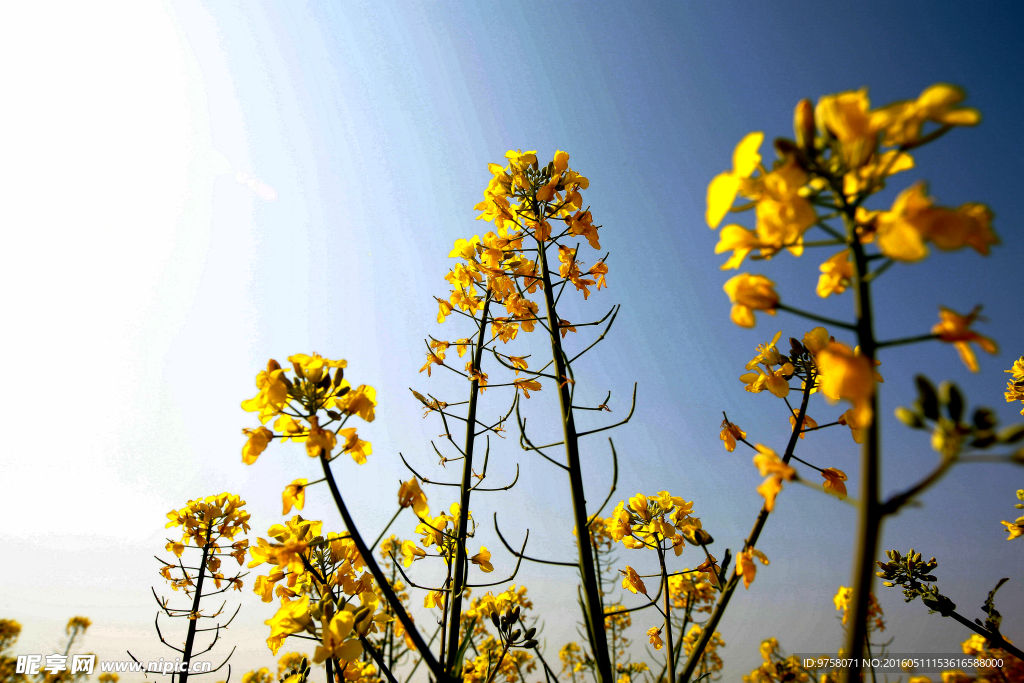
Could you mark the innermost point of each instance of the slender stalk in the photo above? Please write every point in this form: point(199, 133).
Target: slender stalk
point(389, 593)
point(193, 618)
point(708, 629)
point(592, 591)
point(995, 639)
point(668, 618)
point(465, 490)
point(870, 511)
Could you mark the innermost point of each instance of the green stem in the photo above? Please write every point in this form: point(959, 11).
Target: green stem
point(668, 618)
point(870, 511)
point(906, 340)
point(813, 316)
point(464, 492)
point(193, 617)
point(708, 629)
point(382, 583)
point(592, 591)
point(994, 638)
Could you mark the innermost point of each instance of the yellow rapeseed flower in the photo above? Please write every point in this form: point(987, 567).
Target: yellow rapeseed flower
point(954, 328)
point(725, 186)
point(749, 293)
point(731, 432)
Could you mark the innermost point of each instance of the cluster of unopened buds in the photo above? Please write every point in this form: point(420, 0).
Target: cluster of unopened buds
point(511, 635)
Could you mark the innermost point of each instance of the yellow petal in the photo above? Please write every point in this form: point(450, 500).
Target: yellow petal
point(721, 194)
point(745, 157)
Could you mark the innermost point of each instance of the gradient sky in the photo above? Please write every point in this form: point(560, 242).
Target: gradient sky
point(194, 188)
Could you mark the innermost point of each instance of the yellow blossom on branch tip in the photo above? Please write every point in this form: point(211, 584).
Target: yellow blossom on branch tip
point(817, 339)
point(955, 329)
point(847, 117)
point(914, 219)
point(809, 423)
point(355, 446)
point(411, 552)
point(858, 427)
point(710, 569)
point(749, 293)
point(319, 441)
point(745, 565)
point(654, 634)
point(258, 441)
point(294, 494)
point(632, 581)
point(483, 560)
point(335, 640)
point(836, 274)
point(845, 374)
point(902, 121)
point(292, 617)
point(1016, 529)
point(834, 482)
point(730, 433)
point(411, 495)
point(739, 241)
point(725, 186)
point(527, 385)
point(771, 466)
point(444, 309)
point(1015, 386)
point(360, 401)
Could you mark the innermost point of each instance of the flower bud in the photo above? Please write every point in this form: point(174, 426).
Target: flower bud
point(803, 124)
point(273, 365)
point(699, 537)
point(909, 418)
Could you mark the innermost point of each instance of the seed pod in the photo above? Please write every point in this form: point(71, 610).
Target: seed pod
point(1011, 434)
point(984, 418)
point(929, 400)
point(954, 400)
point(909, 418)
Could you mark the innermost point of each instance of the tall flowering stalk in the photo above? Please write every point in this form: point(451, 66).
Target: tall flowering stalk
point(209, 525)
point(544, 204)
point(844, 152)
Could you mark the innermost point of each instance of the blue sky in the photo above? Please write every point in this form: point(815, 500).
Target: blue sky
point(199, 187)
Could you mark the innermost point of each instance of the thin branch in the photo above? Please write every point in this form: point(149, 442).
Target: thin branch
point(520, 555)
point(907, 340)
point(818, 318)
point(615, 482)
point(499, 488)
point(614, 312)
point(612, 426)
